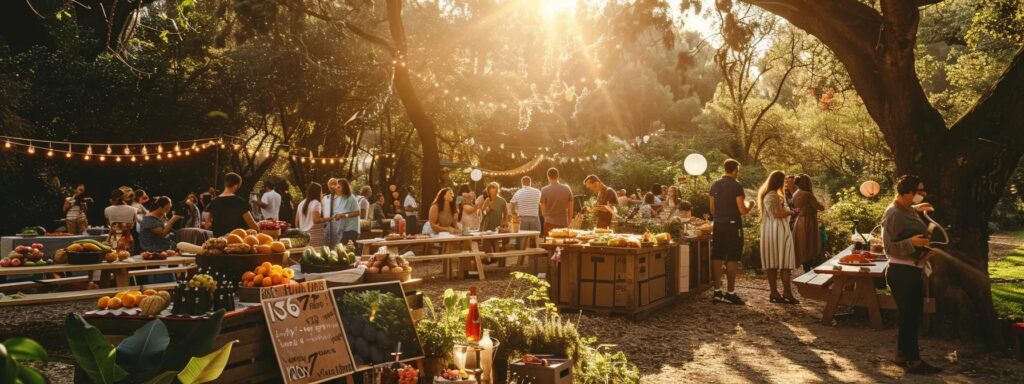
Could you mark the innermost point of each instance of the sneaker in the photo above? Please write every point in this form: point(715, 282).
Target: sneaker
point(922, 368)
point(733, 298)
point(717, 296)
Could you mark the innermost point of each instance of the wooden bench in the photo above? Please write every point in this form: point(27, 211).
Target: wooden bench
point(31, 284)
point(162, 271)
point(813, 285)
point(53, 297)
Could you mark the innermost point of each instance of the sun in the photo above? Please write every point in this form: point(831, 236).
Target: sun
point(552, 9)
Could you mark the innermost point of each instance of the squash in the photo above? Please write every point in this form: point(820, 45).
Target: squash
point(189, 248)
point(164, 294)
point(153, 305)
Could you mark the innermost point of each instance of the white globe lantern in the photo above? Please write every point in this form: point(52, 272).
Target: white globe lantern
point(476, 175)
point(695, 164)
point(870, 188)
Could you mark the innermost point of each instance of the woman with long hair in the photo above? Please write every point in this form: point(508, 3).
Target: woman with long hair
point(777, 254)
point(121, 220)
point(806, 241)
point(309, 214)
point(444, 213)
point(469, 211)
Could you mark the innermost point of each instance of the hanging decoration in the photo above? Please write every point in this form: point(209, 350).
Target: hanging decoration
point(529, 166)
point(115, 152)
point(320, 160)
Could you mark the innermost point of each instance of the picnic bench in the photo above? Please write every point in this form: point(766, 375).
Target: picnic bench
point(464, 249)
point(120, 273)
point(838, 284)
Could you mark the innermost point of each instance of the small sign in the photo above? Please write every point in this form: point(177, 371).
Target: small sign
point(305, 329)
point(292, 289)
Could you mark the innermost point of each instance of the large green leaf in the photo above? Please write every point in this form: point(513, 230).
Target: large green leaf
point(163, 378)
point(25, 349)
point(198, 343)
point(28, 375)
point(207, 368)
point(144, 350)
point(93, 353)
point(8, 367)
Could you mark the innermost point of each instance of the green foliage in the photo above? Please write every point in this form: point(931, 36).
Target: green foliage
point(636, 170)
point(103, 362)
point(850, 206)
point(1008, 285)
point(13, 352)
point(599, 366)
point(439, 330)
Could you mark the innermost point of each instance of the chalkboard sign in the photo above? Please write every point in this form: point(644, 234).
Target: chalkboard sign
point(377, 322)
point(305, 329)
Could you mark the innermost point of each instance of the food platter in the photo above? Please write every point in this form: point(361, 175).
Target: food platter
point(857, 264)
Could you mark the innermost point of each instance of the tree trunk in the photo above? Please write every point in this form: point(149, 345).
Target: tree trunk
point(431, 176)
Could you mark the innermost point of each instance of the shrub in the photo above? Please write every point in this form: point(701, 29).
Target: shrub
point(850, 206)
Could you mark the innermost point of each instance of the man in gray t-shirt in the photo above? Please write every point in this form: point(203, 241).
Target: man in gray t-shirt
point(555, 203)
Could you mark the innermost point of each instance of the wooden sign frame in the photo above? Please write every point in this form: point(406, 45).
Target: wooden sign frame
point(400, 290)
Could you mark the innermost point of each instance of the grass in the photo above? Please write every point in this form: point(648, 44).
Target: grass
point(1008, 297)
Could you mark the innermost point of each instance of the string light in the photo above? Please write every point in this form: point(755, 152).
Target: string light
point(127, 151)
point(31, 150)
point(109, 150)
point(7, 144)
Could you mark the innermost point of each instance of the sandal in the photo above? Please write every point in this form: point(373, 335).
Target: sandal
point(773, 299)
point(790, 300)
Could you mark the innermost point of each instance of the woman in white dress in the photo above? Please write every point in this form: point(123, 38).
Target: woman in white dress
point(777, 252)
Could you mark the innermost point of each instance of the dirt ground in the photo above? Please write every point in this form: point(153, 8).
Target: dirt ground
point(692, 341)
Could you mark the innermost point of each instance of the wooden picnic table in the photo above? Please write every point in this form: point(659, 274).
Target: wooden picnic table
point(464, 248)
point(863, 279)
point(121, 269)
point(50, 243)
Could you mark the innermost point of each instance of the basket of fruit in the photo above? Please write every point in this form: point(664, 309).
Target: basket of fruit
point(131, 302)
point(119, 255)
point(387, 267)
point(264, 275)
point(240, 251)
point(26, 256)
point(325, 259)
point(272, 227)
point(88, 251)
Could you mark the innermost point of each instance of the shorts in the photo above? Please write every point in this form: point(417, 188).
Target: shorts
point(727, 240)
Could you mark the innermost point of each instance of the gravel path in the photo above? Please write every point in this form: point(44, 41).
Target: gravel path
point(692, 341)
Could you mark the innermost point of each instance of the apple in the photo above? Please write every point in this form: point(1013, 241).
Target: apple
point(5, 263)
point(15, 262)
point(22, 249)
point(37, 246)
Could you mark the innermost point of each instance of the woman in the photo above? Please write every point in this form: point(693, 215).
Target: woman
point(495, 208)
point(120, 220)
point(806, 240)
point(671, 204)
point(647, 208)
point(658, 202)
point(153, 230)
point(777, 254)
point(905, 237)
point(443, 215)
point(469, 215)
point(193, 218)
point(309, 215)
point(140, 204)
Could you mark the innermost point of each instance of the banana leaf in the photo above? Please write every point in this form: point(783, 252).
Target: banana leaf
point(25, 349)
point(142, 352)
point(93, 353)
point(199, 342)
point(207, 368)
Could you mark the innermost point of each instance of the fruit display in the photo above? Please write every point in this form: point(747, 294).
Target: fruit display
point(112, 256)
point(454, 375)
point(858, 258)
point(31, 231)
point(387, 263)
point(267, 275)
point(648, 237)
point(88, 245)
point(27, 256)
point(163, 255)
point(397, 373)
point(618, 240)
point(150, 302)
point(273, 225)
point(58, 234)
point(562, 233)
point(214, 246)
point(297, 238)
point(240, 242)
point(341, 257)
point(398, 236)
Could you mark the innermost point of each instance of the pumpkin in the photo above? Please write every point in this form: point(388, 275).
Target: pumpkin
point(153, 305)
point(164, 294)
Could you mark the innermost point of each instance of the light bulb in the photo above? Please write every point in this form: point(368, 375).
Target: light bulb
point(132, 159)
point(146, 158)
point(159, 157)
point(127, 151)
point(103, 158)
point(7, 144)
point(109, 150)
point(67, 155)
point(144, 150)
point(87, 157)
point(169, 155)
point(49, 153)
point(117, 159)
point(31, 150)
point(188, 152)
point(177, 148)
point(88, 151)
point(159, 148)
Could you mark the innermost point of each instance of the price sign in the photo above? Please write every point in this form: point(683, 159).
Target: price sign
point(308, 337)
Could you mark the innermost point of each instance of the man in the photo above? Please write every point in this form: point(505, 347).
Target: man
point(411, 211)
point(657, 192)
point(229, 211)
point(287, 211)
point(363, 201)
point(377, 216)
point(526, 205)
point(555, 203)
point(75, 208)
point(606, 200)
point(269, 203)
point(728, 205)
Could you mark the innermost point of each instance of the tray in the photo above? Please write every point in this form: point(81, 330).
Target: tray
point(856, 264)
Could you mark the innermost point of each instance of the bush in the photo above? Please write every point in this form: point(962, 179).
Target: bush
point(839, 218)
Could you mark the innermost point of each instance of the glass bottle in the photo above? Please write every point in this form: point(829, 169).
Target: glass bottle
point(473, 318)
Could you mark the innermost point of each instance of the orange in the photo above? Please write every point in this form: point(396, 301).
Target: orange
point(149, 292)
point(277, 246)
point(251, 232)
point(263, 249)
point(261, 270)
point(267, 265)
point(102, 303)
point(247, 276)
point(239, 232)
point(234, 239)
point(251, 240)
point(267, 282)
point(276, 279)
point(114, 303)
point(258, 278)
point(264, 238)
point(249, 284)
point(136, 293)
point(286, 281)
point(128, 301)
point(121, 294)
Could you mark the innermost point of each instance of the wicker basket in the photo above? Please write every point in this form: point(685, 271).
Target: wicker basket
point(390, 276)
point(275, 233)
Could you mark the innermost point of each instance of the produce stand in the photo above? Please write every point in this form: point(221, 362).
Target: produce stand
point(122, 272)
point(50, 243)
point(838, 284)
point(634, 281)
point(452, 248)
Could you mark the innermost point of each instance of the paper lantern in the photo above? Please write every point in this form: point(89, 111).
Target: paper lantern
point(476, 175)
point(695, 164)
point(870, 188)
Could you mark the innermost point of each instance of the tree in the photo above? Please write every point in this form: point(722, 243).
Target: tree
point(965, 166)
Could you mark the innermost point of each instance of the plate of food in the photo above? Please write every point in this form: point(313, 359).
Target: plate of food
point(857, 259)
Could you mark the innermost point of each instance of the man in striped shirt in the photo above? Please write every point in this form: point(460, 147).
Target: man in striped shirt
point(526, 204)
